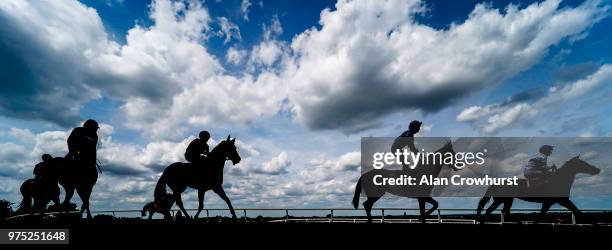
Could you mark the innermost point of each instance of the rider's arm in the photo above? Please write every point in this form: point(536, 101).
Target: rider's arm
point(411, 145)
point(73, 141)
point(205, 149)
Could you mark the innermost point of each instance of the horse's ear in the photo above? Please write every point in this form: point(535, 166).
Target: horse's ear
point(233, 140)
point(228, 137)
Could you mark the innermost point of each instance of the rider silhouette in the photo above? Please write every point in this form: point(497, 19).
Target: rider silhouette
point(47, 170)
point(407, 138)
point(82, 141)
point(197, 150)
point(47, 175)
point(536, 171)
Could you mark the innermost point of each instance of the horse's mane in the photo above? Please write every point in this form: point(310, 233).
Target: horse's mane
point(219, 146)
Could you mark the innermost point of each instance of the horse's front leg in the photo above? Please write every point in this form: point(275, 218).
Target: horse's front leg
point(434, 205)
point(201, 193)
point(570, 205)
point(223, 196)
point(69, 194)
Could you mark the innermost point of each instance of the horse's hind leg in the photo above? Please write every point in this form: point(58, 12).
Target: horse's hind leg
point(496, 203)
point(507, 206)
point(223, 196)
point(179, 203)
point(543, 211)
point(367, 205)
point(422, 209)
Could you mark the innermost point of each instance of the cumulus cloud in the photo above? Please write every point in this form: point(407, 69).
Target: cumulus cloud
point(492, 117)
point(367, 59)
point(235, 56)
point(372, 58)
point(43, 46)
point(277, 165)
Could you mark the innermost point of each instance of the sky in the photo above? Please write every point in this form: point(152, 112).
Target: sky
point(298, 83)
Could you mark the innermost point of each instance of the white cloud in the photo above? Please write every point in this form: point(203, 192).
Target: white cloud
point(368, 59)
point(273, 30)
point(277, 165)
point(371, 58)
point(23, 135)
point(244, 8)
point(235, 56)
point(502, 115)
point(229, 30)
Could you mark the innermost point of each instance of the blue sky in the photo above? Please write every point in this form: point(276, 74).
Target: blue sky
point(297, 85)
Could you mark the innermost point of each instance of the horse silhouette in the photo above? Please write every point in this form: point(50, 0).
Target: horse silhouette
point(559, 185)
point(163, 207)
point(421, 192)
point(178, 176)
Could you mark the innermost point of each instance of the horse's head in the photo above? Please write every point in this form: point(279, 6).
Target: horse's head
point(578, 165)
point(228, 147)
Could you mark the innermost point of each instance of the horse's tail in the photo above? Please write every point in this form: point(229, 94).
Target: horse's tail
point(160, 188)
point(483, 201)
point(26, 192)
point(357, 193)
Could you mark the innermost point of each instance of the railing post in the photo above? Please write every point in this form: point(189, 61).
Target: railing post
point(286, 215)
point(245, 216)
point(573, 218)
point(382, 220)
point(331, 218)
point(439, 216)
point(207, 217)
point(503, 219)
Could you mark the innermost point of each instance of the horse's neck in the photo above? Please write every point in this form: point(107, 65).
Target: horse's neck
point(564, 177)
point(216, 158)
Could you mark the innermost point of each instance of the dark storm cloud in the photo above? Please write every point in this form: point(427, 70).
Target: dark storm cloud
point(36, 83)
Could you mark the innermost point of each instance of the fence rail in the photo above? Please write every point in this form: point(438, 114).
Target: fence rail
point(332, 217)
